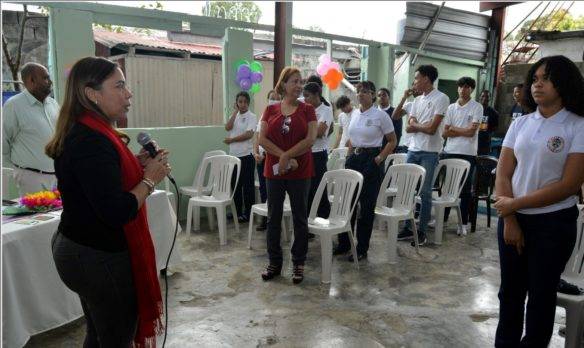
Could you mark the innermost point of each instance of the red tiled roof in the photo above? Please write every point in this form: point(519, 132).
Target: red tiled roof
point(112, 39)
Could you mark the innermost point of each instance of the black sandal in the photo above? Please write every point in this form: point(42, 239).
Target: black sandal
point(298, 274)
point(271, 272)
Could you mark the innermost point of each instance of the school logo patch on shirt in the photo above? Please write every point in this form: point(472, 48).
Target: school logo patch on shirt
point(368, 123)
point(555, 144)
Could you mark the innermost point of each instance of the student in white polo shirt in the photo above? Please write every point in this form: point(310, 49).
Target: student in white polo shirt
point(404, 108)
point(425, 127)
point(540, 172)
point(461, 126)
point(344, 104)
point(241, 126)
point(324, 117)
point(365, 155)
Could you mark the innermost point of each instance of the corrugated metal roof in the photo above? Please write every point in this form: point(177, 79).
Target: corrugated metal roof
point(456, 33)
point(112, 39)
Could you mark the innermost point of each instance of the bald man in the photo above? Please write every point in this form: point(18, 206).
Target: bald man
point(28, 124)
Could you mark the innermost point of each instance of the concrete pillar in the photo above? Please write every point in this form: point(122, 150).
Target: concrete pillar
point(377, 65)
point(237, 44)
point(70, 39)
point(282, 38)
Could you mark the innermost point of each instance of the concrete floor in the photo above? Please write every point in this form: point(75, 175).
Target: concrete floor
point(444, 297)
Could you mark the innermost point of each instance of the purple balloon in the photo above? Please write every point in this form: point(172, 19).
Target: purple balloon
point(243, 71)
point(245, 84)
point(256, 77)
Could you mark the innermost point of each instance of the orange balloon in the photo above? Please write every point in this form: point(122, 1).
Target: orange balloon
point(333, 79)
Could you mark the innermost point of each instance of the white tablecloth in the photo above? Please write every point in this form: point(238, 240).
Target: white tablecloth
point(34, 297)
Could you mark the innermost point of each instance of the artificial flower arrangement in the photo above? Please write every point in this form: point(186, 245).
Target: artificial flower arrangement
point(42, 201)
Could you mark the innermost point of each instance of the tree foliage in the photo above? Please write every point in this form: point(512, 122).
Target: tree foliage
point(561, 20)
point(245, 11)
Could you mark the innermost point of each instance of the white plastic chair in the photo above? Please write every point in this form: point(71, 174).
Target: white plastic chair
point(574, 274)
point(169, 194)
point(347, 186)
point(261, 209)
point(256, 183)
point(337, 158)
point(408, 179)
point(200, 174)
point(456, 174)
point(7, 177)
point(222, 169)
point(394, 158)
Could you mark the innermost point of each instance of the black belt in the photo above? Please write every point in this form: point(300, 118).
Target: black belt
point(367, 150)
point(35, 170)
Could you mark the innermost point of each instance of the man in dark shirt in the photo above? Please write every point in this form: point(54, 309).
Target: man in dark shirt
point(489, 124)
point(517, 110)
point(384, 104)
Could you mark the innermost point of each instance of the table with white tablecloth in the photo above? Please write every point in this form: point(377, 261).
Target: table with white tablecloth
point(34, 299)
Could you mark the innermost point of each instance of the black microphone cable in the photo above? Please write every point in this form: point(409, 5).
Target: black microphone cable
point(168, 260)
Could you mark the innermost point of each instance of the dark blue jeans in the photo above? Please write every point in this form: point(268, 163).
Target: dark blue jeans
point(104, 282)
point(372, 173)
point(549, 241)
point(244, 196)
point(428, 160)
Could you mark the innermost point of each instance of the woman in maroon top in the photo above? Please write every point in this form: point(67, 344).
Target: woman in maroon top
point(287, 133)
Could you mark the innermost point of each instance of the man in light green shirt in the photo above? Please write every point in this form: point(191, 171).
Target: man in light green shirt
point(29, 120)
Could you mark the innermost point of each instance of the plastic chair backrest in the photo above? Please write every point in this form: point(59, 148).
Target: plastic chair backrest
point(575, 266)
point(337, 158)
point(408, 178)
point(201, 174)
point(7, 176)
point(456, 174)
point(395, 158)
point(346, 188)
point(484, 183)
point(221, 171)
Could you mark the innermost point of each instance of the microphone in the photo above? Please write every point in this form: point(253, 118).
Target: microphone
point(144, 139)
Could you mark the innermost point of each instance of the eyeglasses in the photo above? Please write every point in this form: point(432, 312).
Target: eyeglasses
point(286, 125)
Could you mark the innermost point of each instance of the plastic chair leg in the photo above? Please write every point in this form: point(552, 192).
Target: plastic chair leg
point(284, 232)
point(415, 230)
point(197, 217)
point(250, 229)
point(222, 222)
point(439, 227)
point(353, 248)
point(189, 217)
point(326, 252)
point(488, 211)
point(459, 215)
point(392, 230)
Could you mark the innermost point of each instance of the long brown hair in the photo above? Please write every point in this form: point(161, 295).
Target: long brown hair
point(286, 73)
point(87, 72)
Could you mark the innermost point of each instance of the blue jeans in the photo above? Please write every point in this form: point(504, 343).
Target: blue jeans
point(428, 160)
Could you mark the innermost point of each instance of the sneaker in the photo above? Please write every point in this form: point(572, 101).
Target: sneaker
point(298, 274)
point(271, 272)
point(422, 240)
point(462, 230)
point(359, 257)
point(405, 234)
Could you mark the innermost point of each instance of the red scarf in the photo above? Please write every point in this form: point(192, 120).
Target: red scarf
point(139, 241)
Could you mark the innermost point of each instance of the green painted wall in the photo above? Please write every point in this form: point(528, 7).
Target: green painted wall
point(449, 70)
point(237, 44)
point(70, 39)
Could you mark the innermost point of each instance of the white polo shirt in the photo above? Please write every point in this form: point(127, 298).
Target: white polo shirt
point(243, 123)
point(344, 121)
point(368, 128)
point(541, 147)
point(424, 109)
point(405, 139)
point(324, 114)
point(463, 117)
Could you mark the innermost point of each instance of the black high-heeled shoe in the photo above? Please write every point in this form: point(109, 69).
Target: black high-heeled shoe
point(298, 274)
point(271, 272)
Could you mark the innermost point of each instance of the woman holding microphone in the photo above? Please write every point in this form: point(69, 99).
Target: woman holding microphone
point(288, 130)
point(102, 249)
point(366, 132)
point(540, 172)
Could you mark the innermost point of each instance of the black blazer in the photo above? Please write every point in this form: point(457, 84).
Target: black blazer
point(95, 207)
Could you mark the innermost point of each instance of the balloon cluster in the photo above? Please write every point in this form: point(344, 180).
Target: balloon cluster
point(329, 71)
point(248, 75)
